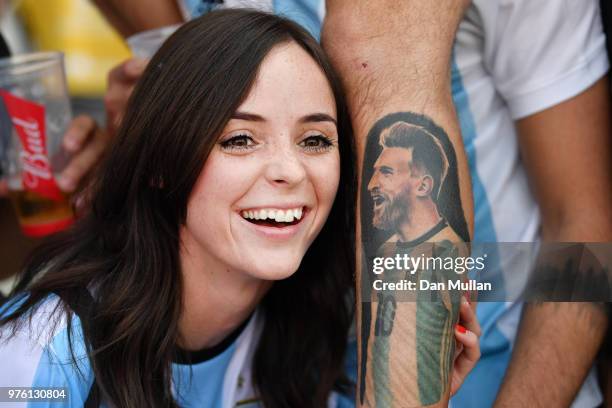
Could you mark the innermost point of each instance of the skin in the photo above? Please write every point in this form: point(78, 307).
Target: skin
point(86, 143)
point(270, 155)
point(575, 208)
point(359, 45)
point(438, 101)
point(139, 15)
point(388, 64)
point(84, 140)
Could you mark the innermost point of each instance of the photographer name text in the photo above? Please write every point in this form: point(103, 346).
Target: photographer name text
point(423, 285)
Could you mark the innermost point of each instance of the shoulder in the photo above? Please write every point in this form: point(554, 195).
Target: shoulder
point(41, 352)
point(541, 53)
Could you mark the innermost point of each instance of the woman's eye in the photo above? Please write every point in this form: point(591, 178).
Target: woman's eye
point(316, 143)
point(238, 142)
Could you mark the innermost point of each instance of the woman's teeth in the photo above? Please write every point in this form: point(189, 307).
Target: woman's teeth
point(273, 214)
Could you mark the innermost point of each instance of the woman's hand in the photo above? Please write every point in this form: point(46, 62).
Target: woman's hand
point(467, 352)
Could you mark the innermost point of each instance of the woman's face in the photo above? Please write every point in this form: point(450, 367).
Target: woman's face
point(269, 183)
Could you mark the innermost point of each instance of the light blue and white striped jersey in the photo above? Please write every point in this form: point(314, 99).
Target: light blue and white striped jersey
point(39, 355)
point(512, 59)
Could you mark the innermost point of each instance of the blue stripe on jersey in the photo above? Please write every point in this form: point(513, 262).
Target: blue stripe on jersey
point(12, 304)
point(350, 369)
point(56, 368)
point(198, 7)
point(481, 386)
point(484, 230)
point(304, 12)
point(201, 385)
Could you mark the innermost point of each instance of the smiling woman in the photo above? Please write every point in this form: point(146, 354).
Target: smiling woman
point(217, 238)
point(215, 266)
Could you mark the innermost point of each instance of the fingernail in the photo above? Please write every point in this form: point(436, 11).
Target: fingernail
point(65, 184)
point(461, 329)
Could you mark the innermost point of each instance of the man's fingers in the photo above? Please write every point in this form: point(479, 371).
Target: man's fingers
point(82, 162)
point(135, 67)
point(121, 82)
point(78, 132)
point(128, 71)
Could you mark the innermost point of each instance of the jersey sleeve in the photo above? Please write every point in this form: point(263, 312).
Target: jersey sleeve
point(37, 355)
point(541, 53)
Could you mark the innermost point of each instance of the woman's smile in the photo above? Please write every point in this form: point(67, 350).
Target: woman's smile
point(277, 222)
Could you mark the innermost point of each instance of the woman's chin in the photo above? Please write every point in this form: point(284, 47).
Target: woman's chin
point(272, 271)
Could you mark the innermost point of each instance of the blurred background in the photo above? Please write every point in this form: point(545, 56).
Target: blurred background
point(90, 44)
point(91, 49)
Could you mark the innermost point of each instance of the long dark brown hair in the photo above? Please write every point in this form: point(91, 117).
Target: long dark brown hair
point(127, 247)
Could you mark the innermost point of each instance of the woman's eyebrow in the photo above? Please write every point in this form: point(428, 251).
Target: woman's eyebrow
point(318, 117)
point(248, 116)
point(314, 117)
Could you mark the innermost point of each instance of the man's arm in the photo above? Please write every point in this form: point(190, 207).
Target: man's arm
point(133, 16)
point(394, 60)
point(567, 152)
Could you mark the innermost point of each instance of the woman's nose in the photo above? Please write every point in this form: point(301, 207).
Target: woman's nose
point(285, 166)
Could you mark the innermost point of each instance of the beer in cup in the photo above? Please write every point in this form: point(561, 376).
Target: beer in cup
point(34, 114)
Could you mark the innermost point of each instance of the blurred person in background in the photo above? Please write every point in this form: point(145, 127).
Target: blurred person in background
point(215, 267)
point(529, 85)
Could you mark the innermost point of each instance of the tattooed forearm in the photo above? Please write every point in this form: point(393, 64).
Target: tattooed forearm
point(399, 61)
point(409, 205)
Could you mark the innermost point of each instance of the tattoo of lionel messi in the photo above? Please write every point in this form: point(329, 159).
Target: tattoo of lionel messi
point(409, 205)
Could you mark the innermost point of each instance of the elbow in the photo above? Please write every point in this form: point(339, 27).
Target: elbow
point(580, 223)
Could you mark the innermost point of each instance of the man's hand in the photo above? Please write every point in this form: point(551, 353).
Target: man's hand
point(121, 82)
point(85, 143)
